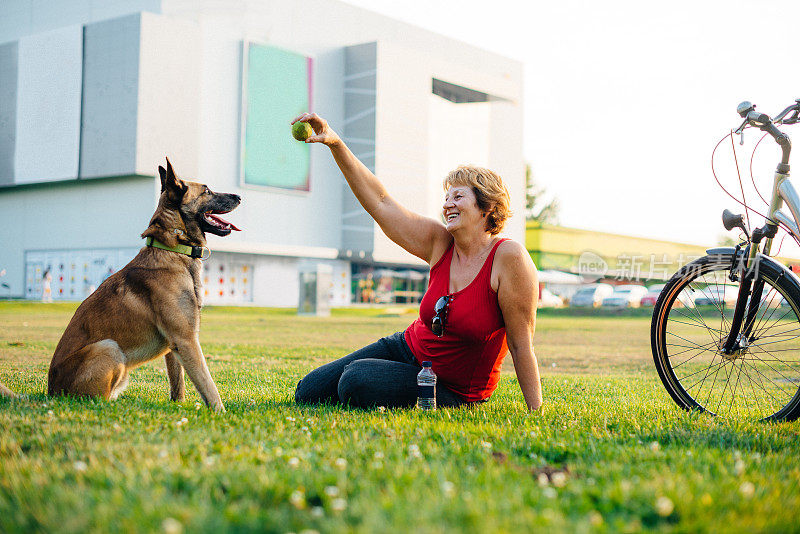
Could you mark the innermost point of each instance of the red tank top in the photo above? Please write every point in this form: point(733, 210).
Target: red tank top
point(468, 356)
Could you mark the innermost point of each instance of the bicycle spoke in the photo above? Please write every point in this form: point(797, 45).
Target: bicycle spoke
point(789, 380)
point(759, 375)
point(733, 394)
point(724, 389)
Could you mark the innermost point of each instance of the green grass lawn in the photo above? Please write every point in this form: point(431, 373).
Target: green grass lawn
point(609, 451)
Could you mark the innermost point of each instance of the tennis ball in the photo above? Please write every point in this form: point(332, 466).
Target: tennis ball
point(302, 131)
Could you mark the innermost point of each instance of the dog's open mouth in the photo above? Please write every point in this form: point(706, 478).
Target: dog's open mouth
point(215, 221)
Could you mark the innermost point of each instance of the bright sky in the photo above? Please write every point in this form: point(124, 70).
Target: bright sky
point(626, 99)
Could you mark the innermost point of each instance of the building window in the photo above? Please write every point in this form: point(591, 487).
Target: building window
point(276, 88)
point(458, 94)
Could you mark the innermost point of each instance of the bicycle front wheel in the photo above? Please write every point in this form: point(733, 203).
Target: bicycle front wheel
point(692, 320)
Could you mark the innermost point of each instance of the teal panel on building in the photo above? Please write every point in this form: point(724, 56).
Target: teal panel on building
point(278, 89)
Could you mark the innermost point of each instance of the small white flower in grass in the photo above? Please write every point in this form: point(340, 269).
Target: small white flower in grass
point(595, 518)
point(331, 491)
point(747, 489)
point(197, 406)
point(80, 466)
point(549, 492)
point(486, 445)
point(50, 413)
point(317, 511)
point(290, 419)
point(278, 451)
point(209, 461)
point(542, 479)
point(738, 467)
point(381, 409)
point(163, 453)
point(298, 499)
point(338, 505)
point(182, 422)
point(664, 506)
point(377, 464)
point(413, 450)
point(117, 427)
point(558, 479)
point(655, 446)
point(293, 461)
point(171, 525)
point(378, 455)
point(448, 488)
point(340, 463)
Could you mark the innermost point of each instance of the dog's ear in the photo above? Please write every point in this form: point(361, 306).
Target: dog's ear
point(174, 186)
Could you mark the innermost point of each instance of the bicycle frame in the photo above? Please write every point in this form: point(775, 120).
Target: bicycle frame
point(749, 301)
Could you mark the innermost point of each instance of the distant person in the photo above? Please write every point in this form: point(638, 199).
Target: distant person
point(369, 289)
point(47, 292)
point(480, 302)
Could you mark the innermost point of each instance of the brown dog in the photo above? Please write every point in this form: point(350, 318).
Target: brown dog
point(150, 307)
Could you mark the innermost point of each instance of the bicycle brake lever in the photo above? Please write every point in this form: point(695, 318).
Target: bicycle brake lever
point(740, 129)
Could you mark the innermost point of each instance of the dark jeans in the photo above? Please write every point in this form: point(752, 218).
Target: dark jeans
point(381, 374)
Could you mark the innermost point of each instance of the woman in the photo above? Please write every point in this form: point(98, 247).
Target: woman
point(480, 301)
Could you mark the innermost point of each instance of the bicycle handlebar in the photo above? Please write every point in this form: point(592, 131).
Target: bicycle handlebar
point(759, 120)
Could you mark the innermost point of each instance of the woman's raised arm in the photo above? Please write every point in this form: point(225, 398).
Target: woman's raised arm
point(421, 236)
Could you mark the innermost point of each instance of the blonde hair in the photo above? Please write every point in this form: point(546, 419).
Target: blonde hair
point(490, 192)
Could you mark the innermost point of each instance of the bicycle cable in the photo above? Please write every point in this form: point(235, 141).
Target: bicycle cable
point(741, 185)
point(752, 179)
point(746, 207)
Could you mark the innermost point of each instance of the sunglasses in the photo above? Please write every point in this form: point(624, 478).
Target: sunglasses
point(440, 319)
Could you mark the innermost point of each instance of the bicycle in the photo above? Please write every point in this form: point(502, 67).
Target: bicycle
point(725, 332)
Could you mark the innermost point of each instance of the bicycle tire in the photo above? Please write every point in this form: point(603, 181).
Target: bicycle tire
point(688, 330)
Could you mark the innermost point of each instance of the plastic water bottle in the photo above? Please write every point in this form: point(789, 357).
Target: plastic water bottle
point(426, 388)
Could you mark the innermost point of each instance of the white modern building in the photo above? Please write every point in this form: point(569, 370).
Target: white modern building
point(94, 95)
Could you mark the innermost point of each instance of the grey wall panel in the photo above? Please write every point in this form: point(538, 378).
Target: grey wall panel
point(49, 105)
point(8, 110)
point(110, 97)
point(169, 95)
point(358, 228)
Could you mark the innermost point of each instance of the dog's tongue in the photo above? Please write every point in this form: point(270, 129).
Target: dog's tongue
point(223, 222)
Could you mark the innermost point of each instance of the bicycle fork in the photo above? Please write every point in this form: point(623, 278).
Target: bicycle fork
point(745, 267)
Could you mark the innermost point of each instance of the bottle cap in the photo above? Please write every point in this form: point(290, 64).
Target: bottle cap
point(426, 364)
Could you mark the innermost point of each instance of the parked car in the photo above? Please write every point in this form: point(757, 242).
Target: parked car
point(629, 296)
point(591, 296)
point(713, 295)
point(652, 295)
point(549, 300)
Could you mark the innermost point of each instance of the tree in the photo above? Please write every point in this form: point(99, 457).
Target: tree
point(537, 208)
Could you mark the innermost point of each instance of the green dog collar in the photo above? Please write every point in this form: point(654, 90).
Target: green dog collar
point(192, 252)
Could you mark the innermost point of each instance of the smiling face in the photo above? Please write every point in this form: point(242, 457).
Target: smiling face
point(460, 209)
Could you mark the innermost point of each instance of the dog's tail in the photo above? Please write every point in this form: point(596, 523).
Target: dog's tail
point(5, 392)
